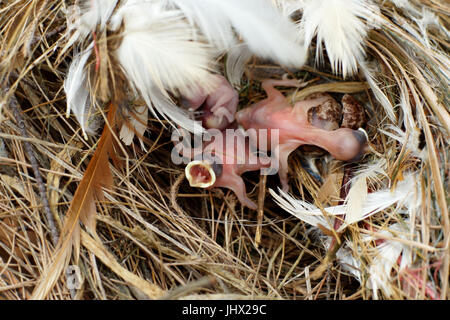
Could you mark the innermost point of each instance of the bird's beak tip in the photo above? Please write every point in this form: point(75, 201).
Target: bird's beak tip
point(200, 174)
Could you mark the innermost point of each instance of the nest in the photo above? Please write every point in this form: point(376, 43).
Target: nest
point(156, 237)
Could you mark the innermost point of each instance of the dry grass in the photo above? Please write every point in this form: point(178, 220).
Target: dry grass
point(159, 238)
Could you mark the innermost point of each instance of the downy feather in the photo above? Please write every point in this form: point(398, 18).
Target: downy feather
point(237, 58)
point(381, 259)
point(77, 95)
point(377, 92)
point(385, 257)
point(358, 192)
point(158, 55)
point(355, 200)
point(289, 7)
point(410, 139)
point(135, 124)
point(85, 18)
point(266, 31)
point(374, 203)
point(340, 26)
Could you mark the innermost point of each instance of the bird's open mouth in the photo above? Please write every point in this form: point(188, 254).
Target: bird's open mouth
point(200, 174)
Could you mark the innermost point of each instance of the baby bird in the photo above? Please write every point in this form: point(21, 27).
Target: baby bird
point(218, 106)
point(222, 163)
point(226, 152)
point(293, 128)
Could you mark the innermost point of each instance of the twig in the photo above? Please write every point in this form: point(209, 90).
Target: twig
point(174, 192)
point(329, 258)
point(47, 35)
point(178, 292)
point(308, 283)
point(14, 104)
point(335, 243)
point(261, 197)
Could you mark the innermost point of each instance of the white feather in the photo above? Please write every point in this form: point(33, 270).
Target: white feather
point(427, 19)
point(381, 259)
point(377, 92)
point(138, 121)
point(339, 25)
point(355, 200)
point(401, 3)
point(344, 256)
point(424, 18)
point(358, 192)
point(214, 24)
point(300, 209)
point(375, 202)
point(81, 20)
point(288, 7)
point(405, 105)
point(237, 58)
point(385, 257)
point(171, 112)
point(266, 31)
point(77, 95)
point(371, 171)
point(158, 55)
point(410, 139)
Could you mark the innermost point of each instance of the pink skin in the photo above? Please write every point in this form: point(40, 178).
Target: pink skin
point(219, 106)
point(275, 113)
point(233, 155)
point(219, 109)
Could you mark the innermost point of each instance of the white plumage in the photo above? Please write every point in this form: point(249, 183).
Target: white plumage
point(377, 92)
point(169, 46)
point(382, 258)
point(237, 58)
point(158, 56)
point(77, 95)
point(264, 30)
point(405, 192)
point(341, 25)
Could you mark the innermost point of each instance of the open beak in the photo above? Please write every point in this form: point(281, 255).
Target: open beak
point(200, 174)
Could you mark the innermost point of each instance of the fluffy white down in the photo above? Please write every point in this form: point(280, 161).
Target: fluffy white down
point(77, 95)
point(157, 55)
point(405, 192)
point(265, 31)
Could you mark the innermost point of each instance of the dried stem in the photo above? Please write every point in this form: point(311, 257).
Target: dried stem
point(14, 105)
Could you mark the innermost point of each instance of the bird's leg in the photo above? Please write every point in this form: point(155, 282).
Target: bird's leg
point(282, 155)
point(220, 105)
point(274, 95)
